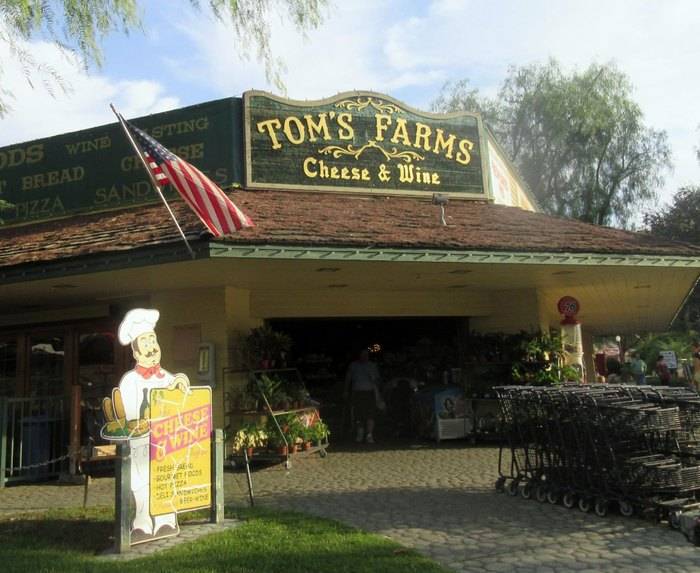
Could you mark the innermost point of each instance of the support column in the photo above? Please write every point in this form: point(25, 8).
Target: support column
point(122, 499)
point(217, 478)
point(74, 448)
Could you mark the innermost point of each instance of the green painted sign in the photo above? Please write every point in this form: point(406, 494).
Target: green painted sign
point(361, 141)
point(97, 169)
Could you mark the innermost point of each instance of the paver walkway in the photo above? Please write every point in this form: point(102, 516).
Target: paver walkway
point(439, 500)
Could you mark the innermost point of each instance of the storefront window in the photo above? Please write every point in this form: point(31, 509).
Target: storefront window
point(8, 368)
point(96, 361)
point(46, 366)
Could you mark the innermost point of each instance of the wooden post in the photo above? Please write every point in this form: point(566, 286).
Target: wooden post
point(217, 481)
point(122, 495)
point(3, 441)
point(76, 395)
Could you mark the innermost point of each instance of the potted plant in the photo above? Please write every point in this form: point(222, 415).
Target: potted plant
point(249, 437)
point(320, 433)
point(264, 348)
point(307, 436)
point(276, 442)
point(272, 388)
point(293, 430)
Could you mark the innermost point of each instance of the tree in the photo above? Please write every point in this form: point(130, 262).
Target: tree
point(577, 138)
point(681, 222)
point(79, 26)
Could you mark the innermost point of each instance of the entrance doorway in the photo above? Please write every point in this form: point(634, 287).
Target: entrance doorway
point(410, 353)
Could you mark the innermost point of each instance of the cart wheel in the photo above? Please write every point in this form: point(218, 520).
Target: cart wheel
point(512, 488)
point(584, 504)
point(553, 497)
point(626, 509)
point(541, 493)
point(674, 519)
point(569, 500)
point(601, 507)
point(526, 491)
point(500, 484)
point(322, 453)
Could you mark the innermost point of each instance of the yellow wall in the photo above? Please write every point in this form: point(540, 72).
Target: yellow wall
point(346, 302)
point(514, 310)
point(239, 322)
point(185, 308)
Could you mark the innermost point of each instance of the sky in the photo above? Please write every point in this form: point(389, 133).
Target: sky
point(404, 48)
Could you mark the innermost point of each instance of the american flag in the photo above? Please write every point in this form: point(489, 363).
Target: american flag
point(206, 199)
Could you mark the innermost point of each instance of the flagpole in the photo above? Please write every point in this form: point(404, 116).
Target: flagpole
point(152, 178)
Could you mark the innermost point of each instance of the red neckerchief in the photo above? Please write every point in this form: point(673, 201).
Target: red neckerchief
point(148, 372)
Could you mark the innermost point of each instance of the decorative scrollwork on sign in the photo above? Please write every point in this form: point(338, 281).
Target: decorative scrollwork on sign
point(336, 151)
point(359, 104)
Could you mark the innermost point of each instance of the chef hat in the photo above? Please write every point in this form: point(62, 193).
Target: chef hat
point(137, 322)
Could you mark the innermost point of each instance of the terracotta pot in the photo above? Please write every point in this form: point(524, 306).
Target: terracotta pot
point(307, 445)
point(282, 450)
point(294, 448)
point(249, 451)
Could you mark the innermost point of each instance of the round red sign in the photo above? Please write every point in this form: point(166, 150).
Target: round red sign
point(568, 306)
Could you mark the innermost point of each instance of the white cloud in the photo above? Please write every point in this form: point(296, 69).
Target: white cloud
point(346, 53)
point(34, 113)
point(404, 48)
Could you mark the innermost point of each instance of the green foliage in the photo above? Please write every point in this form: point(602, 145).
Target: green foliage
point(578, 139)
point(319, 432)
point(541, 361)
point(266, 541)
point(681, 220)
point(251, 435)
point(651, 344)
point(80, 26)
point(263, 344)
point(271, 386)
point(291, 426)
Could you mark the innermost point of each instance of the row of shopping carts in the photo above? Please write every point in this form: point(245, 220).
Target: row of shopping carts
point(601, 446)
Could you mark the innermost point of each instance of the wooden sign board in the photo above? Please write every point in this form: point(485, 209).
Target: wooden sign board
point(180, 450)
point(362, 142)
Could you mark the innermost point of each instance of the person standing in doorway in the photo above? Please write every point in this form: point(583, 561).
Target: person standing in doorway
point(639, 368)
point(362, 387)
point(662, 371)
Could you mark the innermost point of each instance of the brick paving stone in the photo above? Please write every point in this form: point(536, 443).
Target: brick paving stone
point(437, 499)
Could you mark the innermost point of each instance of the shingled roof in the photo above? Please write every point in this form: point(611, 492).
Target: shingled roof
point(315, 219)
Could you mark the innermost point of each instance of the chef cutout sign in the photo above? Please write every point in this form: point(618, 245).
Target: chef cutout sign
point(168, 427)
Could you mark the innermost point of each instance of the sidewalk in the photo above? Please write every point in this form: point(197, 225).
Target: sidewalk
point(437, 499)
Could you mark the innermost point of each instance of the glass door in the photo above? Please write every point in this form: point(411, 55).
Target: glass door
point(47, 372)
point(9, 367)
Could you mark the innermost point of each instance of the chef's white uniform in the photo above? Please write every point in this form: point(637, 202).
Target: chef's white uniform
point(134, 387)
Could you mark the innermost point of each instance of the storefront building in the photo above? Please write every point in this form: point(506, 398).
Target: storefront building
point(369, 215)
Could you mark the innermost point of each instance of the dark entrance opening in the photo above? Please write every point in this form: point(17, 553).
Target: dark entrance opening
point(422, 350)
